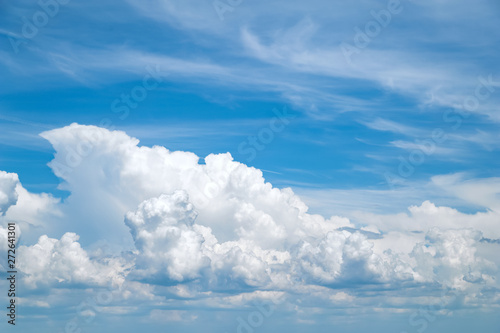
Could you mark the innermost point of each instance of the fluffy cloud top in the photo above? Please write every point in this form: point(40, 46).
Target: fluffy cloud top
point(166, 238)
point(108, 174)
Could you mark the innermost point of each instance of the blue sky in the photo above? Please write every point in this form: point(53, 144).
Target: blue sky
point(383, 114)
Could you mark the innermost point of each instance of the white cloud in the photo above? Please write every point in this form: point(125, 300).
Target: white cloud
point(482, 192)
point(8, 194)
point(52, 261)
point(108, 174)
point(380, 124)
point(426, 216)
point(29, 211)
point(199, 229)
point(164, 234)
point(449, 257)
point(33, 209)
point(392, 66)
point(427, 149)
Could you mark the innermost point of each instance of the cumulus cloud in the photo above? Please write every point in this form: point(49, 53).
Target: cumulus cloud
point(63, 261)
point(168, 243)
point(216, 227)
point(32, 209)
point(427, 215)
point(28, 210)
point(172, 247)
point(8, 194)
point(108, 174)
point(345, 257)
point(450, 257)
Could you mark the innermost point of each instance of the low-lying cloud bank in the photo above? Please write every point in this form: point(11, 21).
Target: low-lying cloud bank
point(164, 222)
